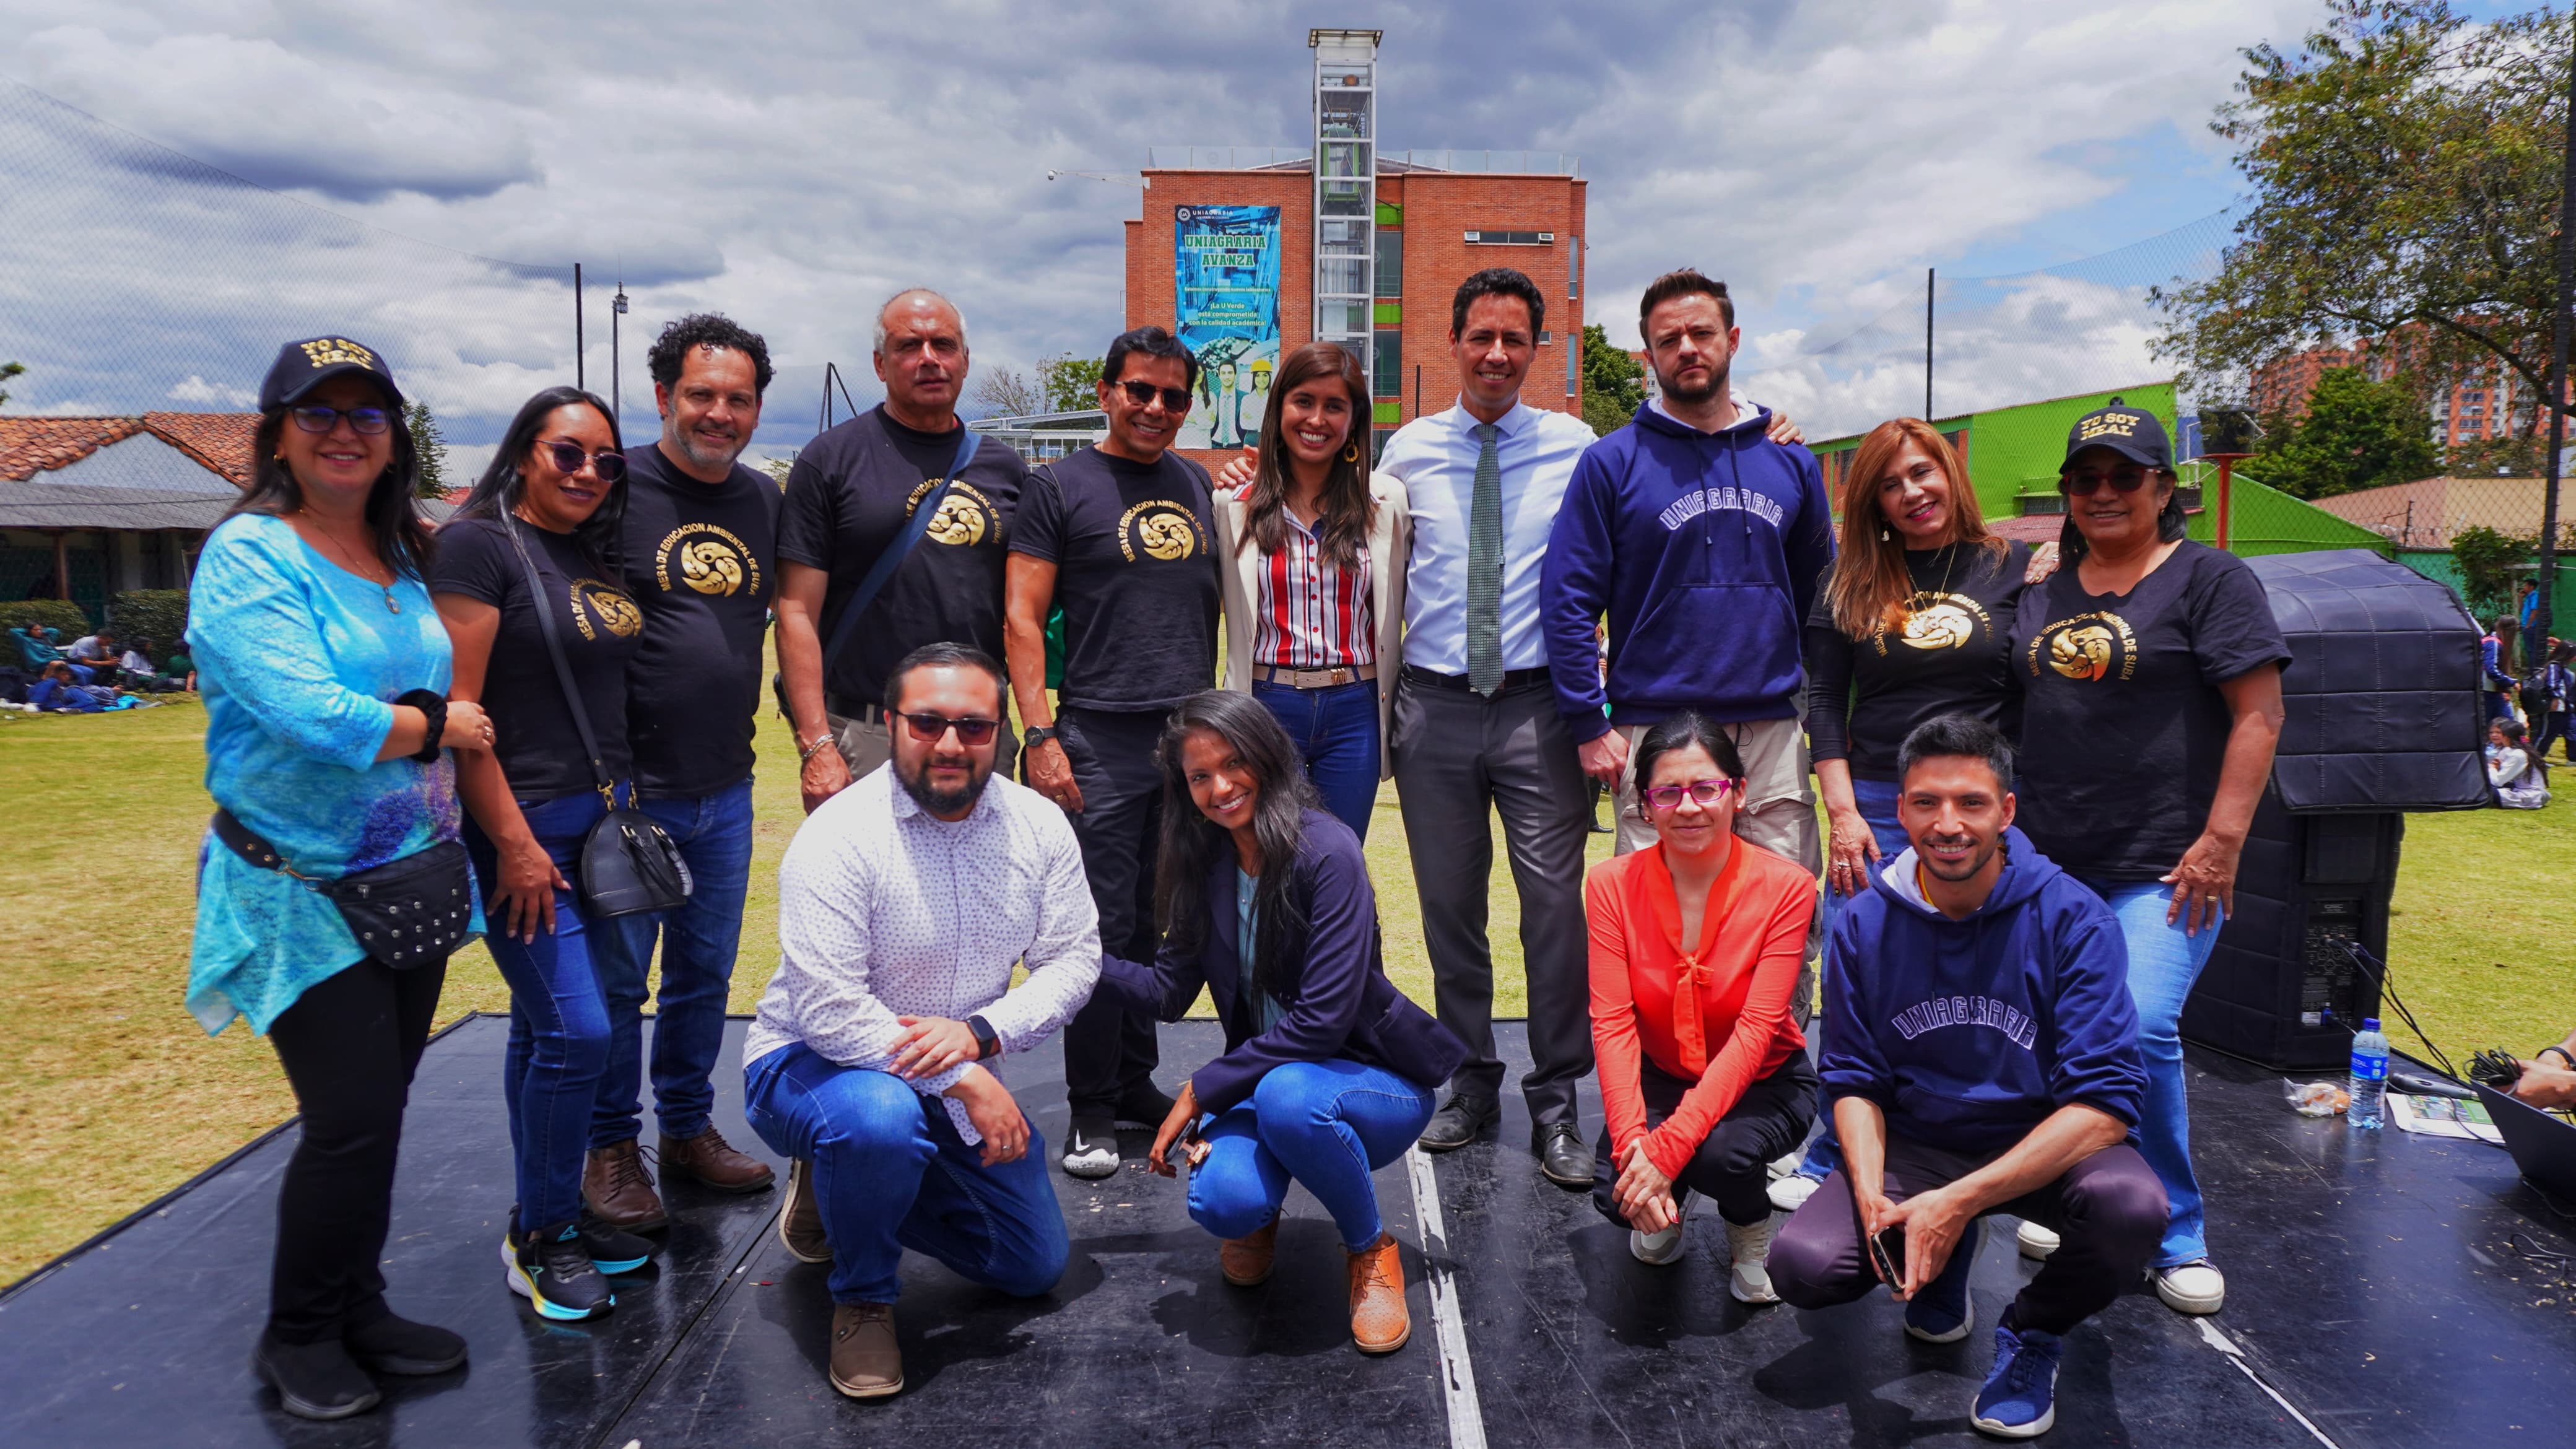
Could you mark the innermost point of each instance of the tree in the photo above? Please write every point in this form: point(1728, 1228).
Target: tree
point(2510, 457)
point(2356, 434)
point(1069, 384)
point(2404, 169)
point(1614, 383)
point(778, 469)
point(1007, 392)
point(9, 370)
point(431, 447)
point(2490, 563)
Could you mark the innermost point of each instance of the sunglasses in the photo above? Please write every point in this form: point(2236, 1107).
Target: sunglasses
point(929, 728)
point(568, 458)
point(1669, 797)
point(2085, 485)
point(318, 419)
point(1142, 394)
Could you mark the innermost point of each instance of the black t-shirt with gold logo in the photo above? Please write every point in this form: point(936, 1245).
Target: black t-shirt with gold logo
point(852, 494)
point(1136, 576)
point(599, 625)
point(701, 561)
point(1951, 655)
point(2123, 725)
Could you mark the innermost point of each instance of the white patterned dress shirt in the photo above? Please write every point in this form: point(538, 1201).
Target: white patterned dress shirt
point(884, 910)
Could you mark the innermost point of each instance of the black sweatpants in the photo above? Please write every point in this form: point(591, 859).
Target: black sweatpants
point(1732, 1166)
point(349, 1045)
point(1109, 1050)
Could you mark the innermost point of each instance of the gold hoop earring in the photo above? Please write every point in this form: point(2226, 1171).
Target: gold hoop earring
point(1351, 454)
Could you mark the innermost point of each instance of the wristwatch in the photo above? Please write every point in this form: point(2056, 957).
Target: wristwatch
point(988, 1042)
point(1036, 735)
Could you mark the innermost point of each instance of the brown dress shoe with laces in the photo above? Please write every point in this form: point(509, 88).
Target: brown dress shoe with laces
point(709, 1159)
point(618, 1188)
point(800, 1223)
point(1379, 1323)
point(866, 1363)
point(1247, 1260)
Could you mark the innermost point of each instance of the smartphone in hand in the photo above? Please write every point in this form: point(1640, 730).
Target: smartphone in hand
point(1887, 1251)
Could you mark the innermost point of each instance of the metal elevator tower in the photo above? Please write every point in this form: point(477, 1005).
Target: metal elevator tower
point(1345, 187)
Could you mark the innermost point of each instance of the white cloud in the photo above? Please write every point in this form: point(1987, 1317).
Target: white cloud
point(197, 390)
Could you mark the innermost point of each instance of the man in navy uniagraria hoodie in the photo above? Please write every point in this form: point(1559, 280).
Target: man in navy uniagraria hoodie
point(1981, 1053)
point(1702, 538)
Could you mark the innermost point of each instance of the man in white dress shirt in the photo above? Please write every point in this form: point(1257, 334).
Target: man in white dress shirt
point(903, 904)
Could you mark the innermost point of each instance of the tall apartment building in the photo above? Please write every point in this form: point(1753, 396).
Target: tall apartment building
point(2488, 403)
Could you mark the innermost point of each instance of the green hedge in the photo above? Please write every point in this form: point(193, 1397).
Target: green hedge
point(160, 615)
point(52, 613)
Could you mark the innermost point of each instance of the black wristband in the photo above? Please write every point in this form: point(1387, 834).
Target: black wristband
point(2562, 1055)
point(433, 705)
point(988, 1042)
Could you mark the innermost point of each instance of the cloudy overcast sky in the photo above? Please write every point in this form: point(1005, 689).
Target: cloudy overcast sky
point(792, 164)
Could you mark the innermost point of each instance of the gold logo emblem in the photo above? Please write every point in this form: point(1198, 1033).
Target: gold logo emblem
point(2089, 647)
point(710, 568)
point(332, 351)
point(712, 562)
point(607, 603)
point(1938, 621)
point(964, 516)
point(1163, 529)
point(2081, 653)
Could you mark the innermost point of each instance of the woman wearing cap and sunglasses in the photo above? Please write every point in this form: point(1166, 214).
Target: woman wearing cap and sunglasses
point(325, 673)
point(551, 503)
point(2151, 670)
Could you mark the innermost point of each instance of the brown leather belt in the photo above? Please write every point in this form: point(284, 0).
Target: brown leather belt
point(1312, 678)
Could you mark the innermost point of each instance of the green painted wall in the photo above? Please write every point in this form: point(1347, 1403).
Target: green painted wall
point(2265, 520)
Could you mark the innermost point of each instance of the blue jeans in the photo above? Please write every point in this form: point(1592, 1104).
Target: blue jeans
point(1336, 734)
point(1877, 802)
point(1328, 1125)
point(2163, 964)
point(890, 1173)
point(698, 944)
point(559, 1036)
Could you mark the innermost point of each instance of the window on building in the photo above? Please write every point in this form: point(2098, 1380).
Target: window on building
point(1387, 361)
point(1377, 444)
point(1512, 238)
point(1574, 269)
point(1573, 385)
point(1390, 263)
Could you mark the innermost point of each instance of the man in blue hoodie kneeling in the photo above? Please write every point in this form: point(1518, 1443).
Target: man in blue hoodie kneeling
point(1981, 1053)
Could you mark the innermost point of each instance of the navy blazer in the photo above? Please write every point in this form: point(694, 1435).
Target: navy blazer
point(1340, 1005)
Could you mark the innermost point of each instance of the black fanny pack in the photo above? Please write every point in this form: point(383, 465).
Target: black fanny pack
point(405, 913)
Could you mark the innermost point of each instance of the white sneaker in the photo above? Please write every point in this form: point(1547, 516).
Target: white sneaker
point(1656, 1248)
point(2037, 1242)
point(1786, 1163)
point(1091, 1150)
point(2191, 1287)
point(1750, 1246)
point(1790, 1193)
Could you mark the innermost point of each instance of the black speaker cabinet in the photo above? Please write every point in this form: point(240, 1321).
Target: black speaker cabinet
point(2280, 989)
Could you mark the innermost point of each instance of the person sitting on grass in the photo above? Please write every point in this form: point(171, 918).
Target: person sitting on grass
point(57, 690)
point(1328, 1073)
point(35, 650)
point(1981, 1050)
point(2521, 781)
point(183, 668)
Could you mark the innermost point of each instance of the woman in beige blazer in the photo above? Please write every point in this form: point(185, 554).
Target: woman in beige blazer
point(1312, 559)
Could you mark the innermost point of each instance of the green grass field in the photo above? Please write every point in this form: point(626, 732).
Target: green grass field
point(110, 1094)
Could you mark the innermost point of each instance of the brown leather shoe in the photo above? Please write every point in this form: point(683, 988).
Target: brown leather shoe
point(1379, 1323)
point(1247, 1260)
point(800, 1223)
point(866, 1363)
point(618, 1188)
point(711, 1160)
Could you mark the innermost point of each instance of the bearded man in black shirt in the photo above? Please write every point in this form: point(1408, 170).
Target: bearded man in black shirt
point(1118, 535)
point(700, 562)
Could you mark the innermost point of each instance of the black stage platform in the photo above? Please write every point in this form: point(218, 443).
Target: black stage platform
point(2375, 1300)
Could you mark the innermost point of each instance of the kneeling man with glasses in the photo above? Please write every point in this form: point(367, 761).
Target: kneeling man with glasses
point(874, 1065)
point(1981, 1052)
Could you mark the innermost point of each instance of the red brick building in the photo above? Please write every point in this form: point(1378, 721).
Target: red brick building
point(2488, 403)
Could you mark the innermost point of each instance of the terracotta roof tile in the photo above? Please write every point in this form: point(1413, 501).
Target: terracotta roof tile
point(29, 446)
point(221, 441)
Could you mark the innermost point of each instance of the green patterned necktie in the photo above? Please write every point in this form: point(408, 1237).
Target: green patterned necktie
point(1485, 570)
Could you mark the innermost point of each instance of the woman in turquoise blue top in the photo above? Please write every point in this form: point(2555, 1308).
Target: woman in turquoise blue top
point(308, 619)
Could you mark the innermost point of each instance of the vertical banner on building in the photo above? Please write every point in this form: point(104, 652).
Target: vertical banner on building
point(1226, 293)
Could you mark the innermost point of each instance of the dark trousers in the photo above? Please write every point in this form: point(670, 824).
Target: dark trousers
point(2553, 726)
point(1109, 1050)
point(2108, 1208)
point(1459, 758)
point(349, 1045)
point(1732, 1166)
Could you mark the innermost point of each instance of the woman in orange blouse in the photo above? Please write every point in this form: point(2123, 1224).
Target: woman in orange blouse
point(1704, 1074)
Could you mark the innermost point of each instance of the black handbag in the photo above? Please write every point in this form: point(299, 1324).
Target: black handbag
point(629, 864)
point(405, 913)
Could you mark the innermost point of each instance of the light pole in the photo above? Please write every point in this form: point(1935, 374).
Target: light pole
point(616, 389)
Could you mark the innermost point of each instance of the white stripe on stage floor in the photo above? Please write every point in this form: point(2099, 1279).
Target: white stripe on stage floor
point(1457, 1375)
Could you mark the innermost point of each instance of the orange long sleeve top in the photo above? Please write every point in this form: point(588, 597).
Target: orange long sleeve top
point(1730, 1027)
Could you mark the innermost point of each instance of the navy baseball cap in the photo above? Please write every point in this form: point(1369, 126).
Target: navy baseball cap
point(303, 366)
point(2133, 433)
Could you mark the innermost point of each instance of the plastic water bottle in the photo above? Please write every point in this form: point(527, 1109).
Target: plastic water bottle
point(2369, 1074)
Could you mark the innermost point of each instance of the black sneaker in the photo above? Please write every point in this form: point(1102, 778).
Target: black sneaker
point(1143, 1109)
point(612, 1249)
point(551, 1268)
point(396, 1345)
point(314, 1380)
point(1091, 1148)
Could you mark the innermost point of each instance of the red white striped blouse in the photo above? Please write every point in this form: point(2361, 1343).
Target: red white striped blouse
point(1313, 613)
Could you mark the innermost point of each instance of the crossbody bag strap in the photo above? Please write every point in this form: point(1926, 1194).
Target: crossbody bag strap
point(545, 612)
point(882, 572)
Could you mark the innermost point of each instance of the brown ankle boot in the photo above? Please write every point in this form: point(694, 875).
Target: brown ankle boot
point(617, 1187)
point(715, 1162)
point(866, 1363)
point(1379, 1323)
point(1246, 1260)
point(800, 1223)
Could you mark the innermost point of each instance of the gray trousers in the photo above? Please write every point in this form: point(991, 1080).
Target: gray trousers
point(1459, 757)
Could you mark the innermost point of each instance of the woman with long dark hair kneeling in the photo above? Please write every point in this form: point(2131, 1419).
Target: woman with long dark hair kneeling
point(1328, 1071)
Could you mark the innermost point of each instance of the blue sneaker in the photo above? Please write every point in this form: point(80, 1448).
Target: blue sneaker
point(1941, 1313)
point(2019, 1400)
point(551, 1268)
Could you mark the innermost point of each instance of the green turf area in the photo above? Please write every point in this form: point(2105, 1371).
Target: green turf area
point(110, 1094)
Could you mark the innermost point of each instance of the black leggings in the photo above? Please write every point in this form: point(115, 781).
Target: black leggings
point(1731, 1167)
point(349, 1045)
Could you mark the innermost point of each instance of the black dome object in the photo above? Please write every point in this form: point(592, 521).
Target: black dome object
point(2382, 688)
